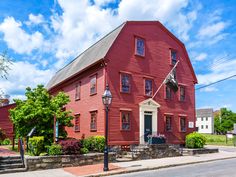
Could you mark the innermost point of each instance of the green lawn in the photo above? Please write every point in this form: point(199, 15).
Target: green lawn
point(218, 140)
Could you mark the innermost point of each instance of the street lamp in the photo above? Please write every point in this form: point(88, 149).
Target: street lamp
point(106, 99)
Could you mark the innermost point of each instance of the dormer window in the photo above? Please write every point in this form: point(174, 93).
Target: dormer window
point(139, 46)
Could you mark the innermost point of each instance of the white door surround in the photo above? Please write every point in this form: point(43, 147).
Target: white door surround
point(148, 105)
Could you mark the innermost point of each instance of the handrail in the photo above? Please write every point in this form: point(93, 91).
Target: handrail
point(22, 151)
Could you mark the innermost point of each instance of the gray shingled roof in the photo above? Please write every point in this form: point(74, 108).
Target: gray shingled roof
point(90, 56)
point(204, 112)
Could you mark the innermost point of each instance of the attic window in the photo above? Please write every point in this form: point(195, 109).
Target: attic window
point(173, 56)
point(139, 46)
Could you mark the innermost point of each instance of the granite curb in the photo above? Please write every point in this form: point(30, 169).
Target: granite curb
point(126, 170)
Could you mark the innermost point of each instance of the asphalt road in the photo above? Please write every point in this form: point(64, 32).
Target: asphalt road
point(220, 168)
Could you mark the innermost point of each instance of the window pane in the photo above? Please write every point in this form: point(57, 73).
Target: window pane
point(125, 120)
point(77, 123)
point(93, 123)
point(125, 83)
point(93, 83)
point(183, 124)
point(148, 87)
point(77, 91)
point(168, 123)
point(173, 57)
point(140, 47)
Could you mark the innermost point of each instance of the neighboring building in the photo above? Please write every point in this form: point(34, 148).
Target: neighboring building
point(5, 123)
point(205, 120)
point(133, 59)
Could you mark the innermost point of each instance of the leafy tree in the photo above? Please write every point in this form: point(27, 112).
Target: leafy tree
point(224, 121)
point(38, 110)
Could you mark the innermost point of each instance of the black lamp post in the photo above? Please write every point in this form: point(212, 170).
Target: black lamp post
point(106, 99)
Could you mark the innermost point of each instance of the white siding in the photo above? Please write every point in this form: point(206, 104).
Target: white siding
point(206, 125)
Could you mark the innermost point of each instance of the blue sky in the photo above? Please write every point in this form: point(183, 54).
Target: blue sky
point(42, 36)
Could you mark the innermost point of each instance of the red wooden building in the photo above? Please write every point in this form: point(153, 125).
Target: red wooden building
point(133, 59)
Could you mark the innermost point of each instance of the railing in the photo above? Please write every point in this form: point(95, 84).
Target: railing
point(22, 151)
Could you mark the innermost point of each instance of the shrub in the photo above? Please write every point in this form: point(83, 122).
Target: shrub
point(84, 150)
point(195, 140)
point(7, 141)
point(55, 149)
point(94, 143)
point(36, 145)
point(70, 146)
point(2, 134)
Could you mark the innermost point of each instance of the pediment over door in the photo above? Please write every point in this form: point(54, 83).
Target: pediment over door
point(149, 102)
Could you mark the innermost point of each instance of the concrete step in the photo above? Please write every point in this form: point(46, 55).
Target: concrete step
point(16, 170)
point(9, 157)
point(123, 159)
point(10, 161)
point(11, 166)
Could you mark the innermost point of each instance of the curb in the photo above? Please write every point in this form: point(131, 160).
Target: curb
point(125, 171)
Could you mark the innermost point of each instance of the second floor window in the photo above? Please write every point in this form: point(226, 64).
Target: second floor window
point(183, 124)
point(77, 91)
point(168, 93)
point(125, 83)
point(173, 57)
point(140, 46)
point(168, 123)
point(182, 93)
point(125, 120)
point(93, 85)
point(93, 121)
point(148, 87)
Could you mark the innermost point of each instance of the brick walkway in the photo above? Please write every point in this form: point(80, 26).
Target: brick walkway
point(91, 169)
point(4, 151)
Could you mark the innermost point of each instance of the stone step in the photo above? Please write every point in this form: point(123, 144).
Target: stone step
point(123, 159)
point(10, 161)
point(9, 157)
point(11, 166)
point(16, 170)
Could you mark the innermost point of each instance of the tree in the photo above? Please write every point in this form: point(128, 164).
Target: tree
point(38, 110)
point(224, 121)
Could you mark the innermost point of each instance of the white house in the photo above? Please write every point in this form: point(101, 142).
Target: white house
point(205, 120)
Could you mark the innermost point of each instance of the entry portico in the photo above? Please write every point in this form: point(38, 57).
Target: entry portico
point(148, 111)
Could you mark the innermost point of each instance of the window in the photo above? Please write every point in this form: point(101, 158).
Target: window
point(125, 83)
point(77, 123)
point(173, 57)
point(182, 93)
point(93, 122)
point(182, 124)
point(148, 87)
point(125, 120)
point(139, 46)
point(168, 93)
point(93, 85)
point(202, 127)
point(168, 123)
point(206, 126)
point(77, 91)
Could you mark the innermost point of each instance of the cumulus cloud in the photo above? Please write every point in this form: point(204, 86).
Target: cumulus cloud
point(35, 19)
point(17, 39)
point(201, 57)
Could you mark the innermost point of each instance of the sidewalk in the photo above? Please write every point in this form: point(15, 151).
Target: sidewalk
point(126, 167)
point(4, 151)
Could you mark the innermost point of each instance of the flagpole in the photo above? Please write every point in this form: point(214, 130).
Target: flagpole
point(165, 79)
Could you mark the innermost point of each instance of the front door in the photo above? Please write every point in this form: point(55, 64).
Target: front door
point(147, 126)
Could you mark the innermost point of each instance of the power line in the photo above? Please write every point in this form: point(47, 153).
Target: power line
point(215, 82)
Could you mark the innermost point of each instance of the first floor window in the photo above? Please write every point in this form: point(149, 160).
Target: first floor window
point(93, 122)
point(206, 126)
point(182, 124)
point(168, 93)
point(93, 85)
point(125, 120)
point(125, 83)
point(182, 93)
point(77, 123)
point(202, 127)
point(168, 123)
point(148, 87)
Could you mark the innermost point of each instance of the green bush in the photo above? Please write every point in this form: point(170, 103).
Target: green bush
point(55, 149)
point(195, 140)
point(36, 145)
point(7, 141)
point(84, 150)
point(94, 143)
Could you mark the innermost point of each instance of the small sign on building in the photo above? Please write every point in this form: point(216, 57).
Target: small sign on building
point(190, 124)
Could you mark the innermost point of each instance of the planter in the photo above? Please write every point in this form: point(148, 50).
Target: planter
point(156, 140)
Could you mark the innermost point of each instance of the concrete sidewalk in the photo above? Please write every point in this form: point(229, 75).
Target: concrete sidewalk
point(126, 167)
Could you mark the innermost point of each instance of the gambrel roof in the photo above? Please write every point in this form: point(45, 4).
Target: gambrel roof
point(98, 51)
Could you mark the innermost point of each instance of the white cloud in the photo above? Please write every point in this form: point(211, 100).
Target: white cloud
point(35, 19)
point(201, 57)
point(17, 39)
point(103, 2)
point(22, 75)
point(209, 89)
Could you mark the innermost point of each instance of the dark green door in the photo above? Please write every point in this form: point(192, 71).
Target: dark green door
point(147, 126)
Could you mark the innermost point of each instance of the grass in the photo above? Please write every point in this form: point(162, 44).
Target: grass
point(218, 140)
